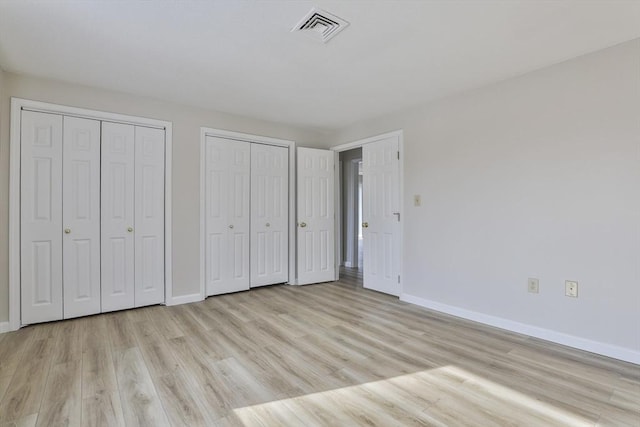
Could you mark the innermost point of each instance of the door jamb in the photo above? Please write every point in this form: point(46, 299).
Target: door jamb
point(290, 145)
point(399, 135)
point(19, 104)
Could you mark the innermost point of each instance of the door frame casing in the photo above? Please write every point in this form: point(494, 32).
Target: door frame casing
point(19, 104)
point(258, 139)
point(399, 136)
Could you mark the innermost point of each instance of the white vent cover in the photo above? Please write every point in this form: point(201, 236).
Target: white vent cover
point(321, 25)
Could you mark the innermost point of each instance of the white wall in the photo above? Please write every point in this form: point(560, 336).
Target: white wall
point(537, 176)
point(186, 151)
point(4, 215)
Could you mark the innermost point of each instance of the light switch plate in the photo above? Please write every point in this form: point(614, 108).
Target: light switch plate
point(533, 285)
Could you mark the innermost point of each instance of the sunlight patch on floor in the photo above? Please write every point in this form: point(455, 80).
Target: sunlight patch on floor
point(443, 396)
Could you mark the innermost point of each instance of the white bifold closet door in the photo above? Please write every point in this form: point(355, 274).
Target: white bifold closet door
point(117, 216)
point(149, 216)
point(81, 216)
point(269, 214)
point(41, 217)
point(132, 216)
point(227, 218)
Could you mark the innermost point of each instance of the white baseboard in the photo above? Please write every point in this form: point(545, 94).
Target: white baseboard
point(4, 327)
point(185, 299)
point(621, 353)
point(348, 264)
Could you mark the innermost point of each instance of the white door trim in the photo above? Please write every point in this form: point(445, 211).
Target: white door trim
point(399, 135)
point(19, 104)
point(290, 145)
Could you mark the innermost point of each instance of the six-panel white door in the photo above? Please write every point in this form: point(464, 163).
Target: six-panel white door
point(81, 216)
point(269, 214)
point(148, 226)
point(117, 272)
point(227, 171)
point(380, 216)
point(316, 219)
point(41, 217)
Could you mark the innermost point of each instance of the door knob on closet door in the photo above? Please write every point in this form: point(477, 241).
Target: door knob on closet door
point(67, 231)
point(231, 226)
point(130, 229)
point(303, 224)
point(365, 225)
point(268, 225)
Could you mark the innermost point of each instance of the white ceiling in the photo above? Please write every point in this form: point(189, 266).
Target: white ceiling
point(240, 57)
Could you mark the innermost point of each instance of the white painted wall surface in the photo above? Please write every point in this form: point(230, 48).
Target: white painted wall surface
point(4, 212)
point(186, 151)
point(536, 176)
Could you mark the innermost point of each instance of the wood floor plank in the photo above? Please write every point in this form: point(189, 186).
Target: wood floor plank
point(28, 421)
point(62, 400)
point(182, 402)
point(102, 409)
point(140, 403)
point(26, 389)
point(69, 343)
point(98, 372)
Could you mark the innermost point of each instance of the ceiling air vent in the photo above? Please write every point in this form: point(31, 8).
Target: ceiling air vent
point(321, 25)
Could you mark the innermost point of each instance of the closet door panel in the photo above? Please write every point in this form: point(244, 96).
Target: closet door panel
point(269, 214)
point(227, 169)
point(81, 216)
point(117, 270)
point(41, 217)
point(149, 216)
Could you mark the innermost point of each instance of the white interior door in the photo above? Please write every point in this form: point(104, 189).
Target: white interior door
point(316, 218)
point(380, 216)
point(81, 216)
point(149, 216)
point(41, 217)
point(227, 180)
point(269, 214)
point(117, 240)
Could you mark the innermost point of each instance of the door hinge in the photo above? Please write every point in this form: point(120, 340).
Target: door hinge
point(398, 155)
point(398, 278)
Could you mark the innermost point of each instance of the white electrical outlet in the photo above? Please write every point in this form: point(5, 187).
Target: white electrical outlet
point(533, 285)
point(571, 288)
point(417, 200)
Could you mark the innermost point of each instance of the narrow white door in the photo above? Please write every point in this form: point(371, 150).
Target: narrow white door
point(269, 214)
point(380, 216)
point(117, 170)
point(316, 219)
point(81, 216)
point(227, 171)
point(41, 217)
point(149, 216)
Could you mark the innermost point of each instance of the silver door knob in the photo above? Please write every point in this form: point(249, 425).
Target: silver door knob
point(303, 224)
point(268, 225)
point(231, 226)
point(130, 229)
point(67, 231)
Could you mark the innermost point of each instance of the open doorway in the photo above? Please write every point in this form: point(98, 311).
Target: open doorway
point(351, 216)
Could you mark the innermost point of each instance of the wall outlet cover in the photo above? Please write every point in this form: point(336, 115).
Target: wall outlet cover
point(571, 288)
point(533, 285)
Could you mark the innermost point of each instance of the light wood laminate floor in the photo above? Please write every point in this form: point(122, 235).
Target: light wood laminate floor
point(321, 355)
